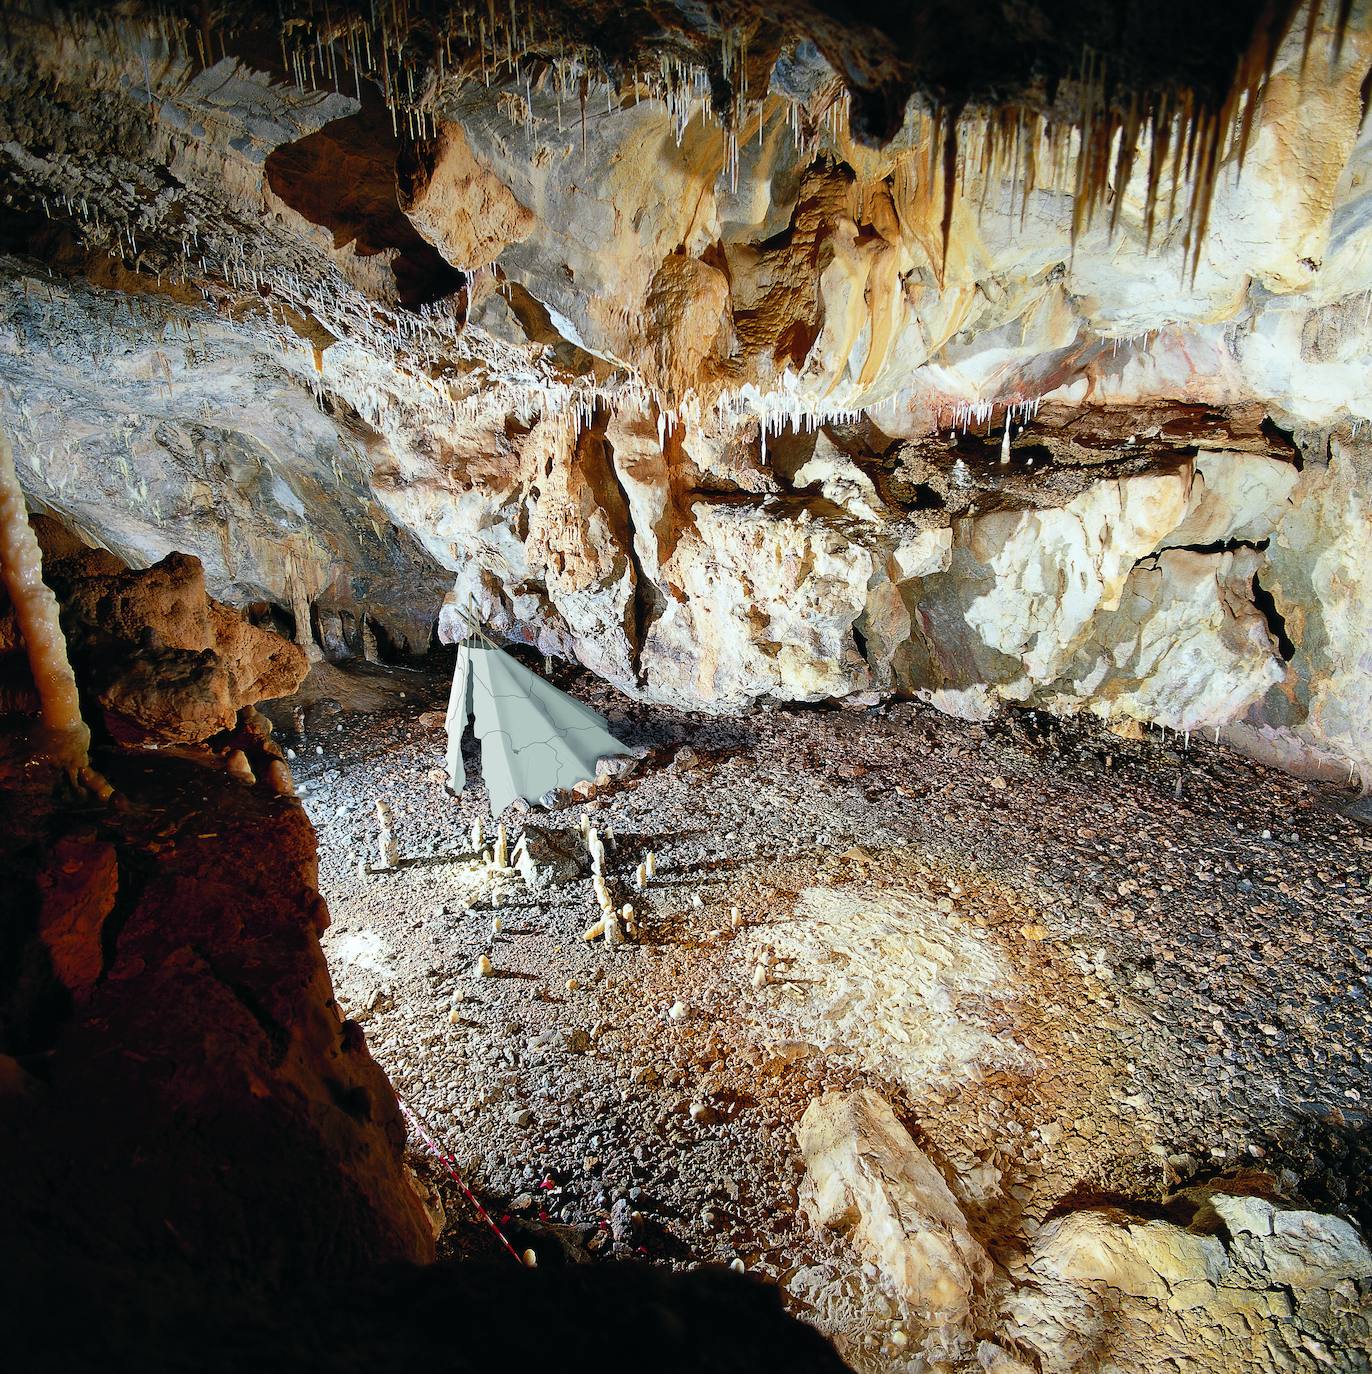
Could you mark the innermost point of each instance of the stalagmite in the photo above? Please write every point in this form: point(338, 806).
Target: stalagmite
point(237, 766)
point(650, 865)
point(641, 877)
point(502, 847)
point(387, 851)
point(35, 608)
point(484, 967)
point(478, 836)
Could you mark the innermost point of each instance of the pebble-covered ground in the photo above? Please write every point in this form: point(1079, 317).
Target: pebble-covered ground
point(1080, 966)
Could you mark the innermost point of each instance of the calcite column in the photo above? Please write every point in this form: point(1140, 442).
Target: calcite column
point(35, 608)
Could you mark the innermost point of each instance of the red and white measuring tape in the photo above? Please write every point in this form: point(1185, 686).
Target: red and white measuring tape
point(449, 1167)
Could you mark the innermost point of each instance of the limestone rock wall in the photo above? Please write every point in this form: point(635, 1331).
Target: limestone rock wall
point(718, 411)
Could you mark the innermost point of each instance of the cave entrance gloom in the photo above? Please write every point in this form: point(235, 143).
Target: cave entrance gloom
point(1047, 949)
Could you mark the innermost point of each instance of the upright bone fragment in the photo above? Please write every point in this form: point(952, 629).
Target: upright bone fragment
point(237, 766)
point(595, 847)
point(279, 778)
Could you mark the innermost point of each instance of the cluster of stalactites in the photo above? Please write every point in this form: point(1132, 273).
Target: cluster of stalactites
point(1087, 142)
point(1094, 136)
point(1086, 146)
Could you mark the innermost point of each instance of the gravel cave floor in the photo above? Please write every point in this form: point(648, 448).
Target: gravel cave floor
point(1080, 967)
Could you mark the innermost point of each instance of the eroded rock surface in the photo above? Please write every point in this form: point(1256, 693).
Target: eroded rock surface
point(1247, 1284)
point(165, 660)
point(1225, 1280)
point(866, 1177)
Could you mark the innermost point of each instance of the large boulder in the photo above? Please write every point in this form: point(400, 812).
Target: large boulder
point(867, 1178)
point(1230, 1281)
point(163, 658)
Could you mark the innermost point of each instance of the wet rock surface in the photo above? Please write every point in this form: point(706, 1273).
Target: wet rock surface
point(1078, 966)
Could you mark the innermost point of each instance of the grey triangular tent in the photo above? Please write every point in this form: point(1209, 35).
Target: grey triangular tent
point(533, 737)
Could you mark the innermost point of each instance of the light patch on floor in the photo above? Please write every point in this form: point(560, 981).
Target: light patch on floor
point(908, 991)
point(358, 952)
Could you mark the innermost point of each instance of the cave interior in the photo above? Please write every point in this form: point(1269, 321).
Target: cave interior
point(923, 448)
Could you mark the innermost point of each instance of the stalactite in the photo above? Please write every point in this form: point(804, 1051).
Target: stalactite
point(1088, 143)
point(1112, 123)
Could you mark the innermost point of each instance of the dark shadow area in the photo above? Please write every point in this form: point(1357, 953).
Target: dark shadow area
point(1276, 622)
point(343, 177)
point(1328, 1155)
point(457, 1317)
